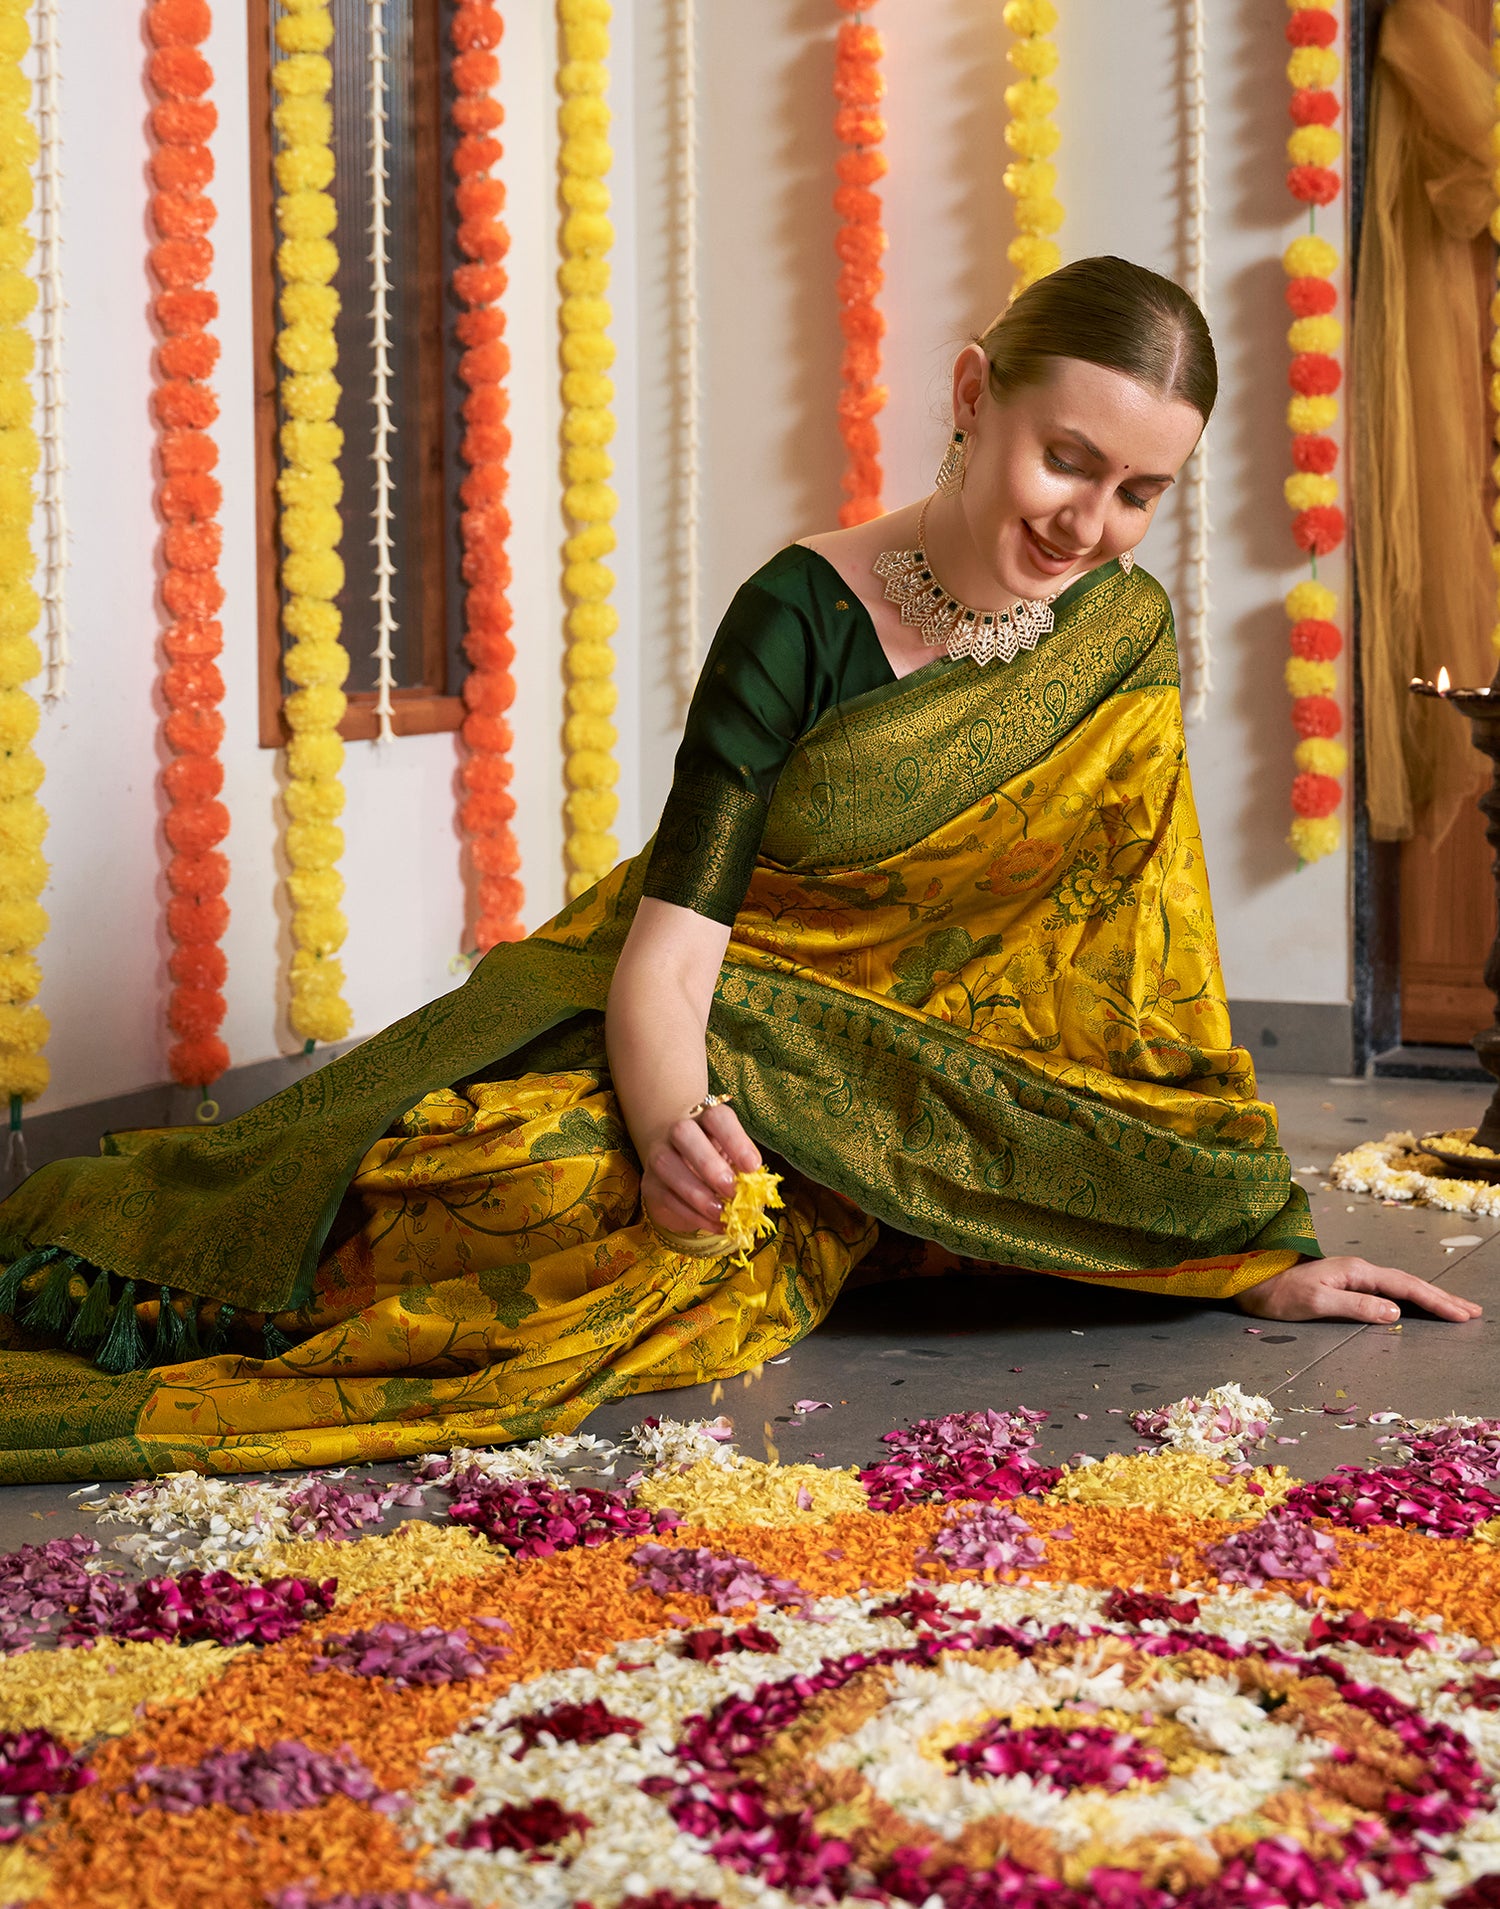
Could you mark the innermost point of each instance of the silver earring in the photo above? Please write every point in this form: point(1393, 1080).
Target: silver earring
point(950, 475)
point(1127, 561)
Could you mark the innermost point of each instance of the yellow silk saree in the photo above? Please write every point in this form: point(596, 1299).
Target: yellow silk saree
point(972, 1000)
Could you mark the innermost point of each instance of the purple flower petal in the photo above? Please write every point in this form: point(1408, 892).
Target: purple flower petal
point(403, 1656)
point(284, 1776)
point(987, 1538)
point(726, 1581)
point(1282, 1545)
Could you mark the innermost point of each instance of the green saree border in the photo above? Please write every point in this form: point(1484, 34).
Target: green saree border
point(1063, 606)
point(868, 1100)
point(62, 1420)
point(886, 770)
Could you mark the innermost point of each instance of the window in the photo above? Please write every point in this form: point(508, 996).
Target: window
point(423, 393)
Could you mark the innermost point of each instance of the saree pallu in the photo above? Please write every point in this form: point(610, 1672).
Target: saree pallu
point(971, 1005)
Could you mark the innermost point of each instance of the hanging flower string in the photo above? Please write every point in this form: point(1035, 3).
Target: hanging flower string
point(23, 821)
point(1198, 632)
point(1031, 178)
point(380, 340)
point(479, 283)
point(51, 381)
point(859, 87)
point(1312, 491)
point(689, 366)
point(310, 490)
point(588, 429)
point(188, 498)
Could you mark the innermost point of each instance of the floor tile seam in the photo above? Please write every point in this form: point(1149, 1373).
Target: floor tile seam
point(1327, 1353)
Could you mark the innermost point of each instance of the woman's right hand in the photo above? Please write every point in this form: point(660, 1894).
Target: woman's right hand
point(689, 1172)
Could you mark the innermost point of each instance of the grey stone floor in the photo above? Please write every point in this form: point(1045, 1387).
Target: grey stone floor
point(896, 1352)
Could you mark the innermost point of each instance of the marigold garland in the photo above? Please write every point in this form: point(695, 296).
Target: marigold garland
point(1031, 178)
point(479, 284)
point(384, 512)
point(859, 87)
point(23, 821)
point(188, 497)
point(310, 489)
point(51, 372)
point(1312, 492)
point(588, 429)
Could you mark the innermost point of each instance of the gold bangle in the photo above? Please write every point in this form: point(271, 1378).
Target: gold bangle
point(692, 1245)
point(708, 1100)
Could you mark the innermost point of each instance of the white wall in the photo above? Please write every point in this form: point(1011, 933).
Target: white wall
point(771, 461)
point(772, 454)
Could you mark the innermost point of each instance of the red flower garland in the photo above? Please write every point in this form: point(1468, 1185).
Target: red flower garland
point(1318, 525)
point(188, 496)
point(479, 284)
point(859, 87)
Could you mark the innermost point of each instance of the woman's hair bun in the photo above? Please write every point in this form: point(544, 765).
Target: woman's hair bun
point(1107, 312)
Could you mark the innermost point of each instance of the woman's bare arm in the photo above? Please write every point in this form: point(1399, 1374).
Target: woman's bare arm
point(654, 1030)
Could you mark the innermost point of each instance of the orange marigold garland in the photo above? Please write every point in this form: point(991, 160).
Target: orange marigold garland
point(188, 497)
point(479, 284)
point(859, 87)
point(1312, 491)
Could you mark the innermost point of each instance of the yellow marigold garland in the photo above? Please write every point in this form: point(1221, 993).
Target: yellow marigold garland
point(588, 429)
point(310, 490)
point(1031, 177)
point(23, 821)
point(1312, 492)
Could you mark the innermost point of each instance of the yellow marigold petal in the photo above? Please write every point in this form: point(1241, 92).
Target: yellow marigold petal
point(1306, 677)
point(1310, 257)
point(1311, 600)
point(1323, 334)
point(1312, 415)
point(1314, 146)
point(1321, 756)
point(1315, 67)
point(1314, 836)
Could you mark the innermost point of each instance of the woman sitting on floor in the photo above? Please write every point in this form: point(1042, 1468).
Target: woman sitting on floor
point(927, 909)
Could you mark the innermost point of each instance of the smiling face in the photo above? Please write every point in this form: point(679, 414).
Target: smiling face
point(1061, 475)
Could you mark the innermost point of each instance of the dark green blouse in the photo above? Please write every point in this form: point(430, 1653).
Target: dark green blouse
point(794, 642)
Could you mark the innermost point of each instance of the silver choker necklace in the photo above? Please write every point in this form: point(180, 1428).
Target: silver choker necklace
point(945, 622)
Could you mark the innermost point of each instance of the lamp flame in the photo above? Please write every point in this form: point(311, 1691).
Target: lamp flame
point(1443, 681)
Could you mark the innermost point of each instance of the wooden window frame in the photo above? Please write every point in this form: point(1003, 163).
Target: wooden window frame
point(432, 707)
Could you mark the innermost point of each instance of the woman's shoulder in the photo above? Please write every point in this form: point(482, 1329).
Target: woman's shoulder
point(792, 575)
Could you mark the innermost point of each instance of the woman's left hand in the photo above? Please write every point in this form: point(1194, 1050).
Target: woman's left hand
point(1349, 1289)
